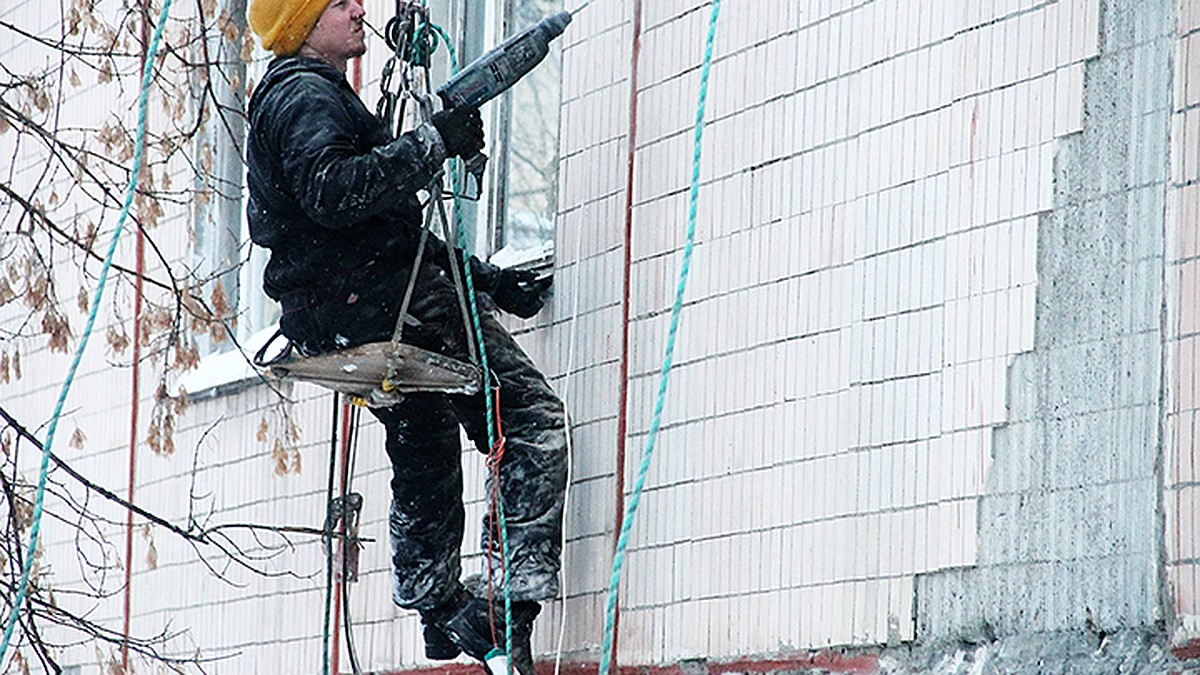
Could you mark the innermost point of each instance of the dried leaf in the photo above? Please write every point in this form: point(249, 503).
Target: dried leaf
point(187, 356)
point(154, 437)
point(82, 300)
point(117, 340)
point(41, 100)
point(73, 78)
point(151, 550)
point(295, 461)
point(169, 435)
point(16, 365)
point(77, 439)
point(149, 210)
point(5, 372)
point(22, 509)
point(219, 301)
point(206, 159)
point(59, 330)
point(36, 291)
point(261, 435)
point(279, 456)
point(7, 294)
point(228, 28)
point(4, 123)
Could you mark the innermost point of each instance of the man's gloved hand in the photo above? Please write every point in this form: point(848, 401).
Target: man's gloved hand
point(519, 292)
point(461, 131)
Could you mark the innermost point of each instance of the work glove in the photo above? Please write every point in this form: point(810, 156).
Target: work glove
point(519, 292)
point(461, 131)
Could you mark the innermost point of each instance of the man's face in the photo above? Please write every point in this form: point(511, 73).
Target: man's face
point(339, 35)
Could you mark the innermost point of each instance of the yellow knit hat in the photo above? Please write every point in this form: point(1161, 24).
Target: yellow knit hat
point(284, 25)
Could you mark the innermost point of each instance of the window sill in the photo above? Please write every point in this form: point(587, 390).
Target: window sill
point(540, 259)
point(226, 372)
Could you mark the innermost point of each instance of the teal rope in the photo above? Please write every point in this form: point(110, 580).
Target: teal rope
point(483, 363)
point(639, 484)
point(35, 528)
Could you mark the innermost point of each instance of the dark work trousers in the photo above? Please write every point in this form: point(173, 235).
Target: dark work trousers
point(426, 517)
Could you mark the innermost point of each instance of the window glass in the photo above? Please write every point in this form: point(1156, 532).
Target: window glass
point(514, 223)
point(226, 267)
point(526, 189)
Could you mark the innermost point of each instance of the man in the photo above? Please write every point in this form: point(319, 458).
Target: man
point(333, 197)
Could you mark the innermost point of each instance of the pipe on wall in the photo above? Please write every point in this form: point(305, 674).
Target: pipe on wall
point(135, 388)
point(623, 399)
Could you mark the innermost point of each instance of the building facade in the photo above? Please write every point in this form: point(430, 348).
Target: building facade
point(933, 402)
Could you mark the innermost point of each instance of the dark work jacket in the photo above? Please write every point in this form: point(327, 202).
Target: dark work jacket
point(333, 198)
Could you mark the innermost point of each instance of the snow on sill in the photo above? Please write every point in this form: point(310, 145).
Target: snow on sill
point(535, 258)
point(221, 371)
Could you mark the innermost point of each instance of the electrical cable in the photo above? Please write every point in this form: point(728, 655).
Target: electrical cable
point(677, 307)
point(333, 436)
point(351, 416)
point(567, 377)
point(139, 148)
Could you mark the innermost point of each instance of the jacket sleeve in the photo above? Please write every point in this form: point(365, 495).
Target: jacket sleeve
point(485, 276)
point(337, 185)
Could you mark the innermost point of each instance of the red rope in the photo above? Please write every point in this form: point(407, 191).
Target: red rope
point(495, 455)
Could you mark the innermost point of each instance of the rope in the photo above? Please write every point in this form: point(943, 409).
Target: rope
point(492, 420)
point(639, 484)
point(139, 148)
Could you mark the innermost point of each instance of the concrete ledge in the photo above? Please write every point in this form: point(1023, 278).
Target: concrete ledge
point(833, 662)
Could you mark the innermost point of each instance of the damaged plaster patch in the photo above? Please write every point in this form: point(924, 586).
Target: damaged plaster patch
point(1078, 653)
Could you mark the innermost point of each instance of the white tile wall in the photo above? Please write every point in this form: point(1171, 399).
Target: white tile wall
point(1183, 499)
point(873, 172)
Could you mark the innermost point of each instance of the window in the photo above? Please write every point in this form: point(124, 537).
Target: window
point(514, 224)
point(227, 268)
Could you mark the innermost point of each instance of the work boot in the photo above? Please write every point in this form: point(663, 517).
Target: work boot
point(521, 657)
point(438, 645)
point(471, 630)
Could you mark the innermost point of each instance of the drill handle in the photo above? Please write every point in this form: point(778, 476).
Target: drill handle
point(474, 167)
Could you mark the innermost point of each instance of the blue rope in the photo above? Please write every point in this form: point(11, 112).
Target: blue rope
point(483, 363)
point(35, 528)
point(639, 484)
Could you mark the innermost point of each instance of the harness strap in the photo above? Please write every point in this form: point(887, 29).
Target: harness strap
point(260, 357)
